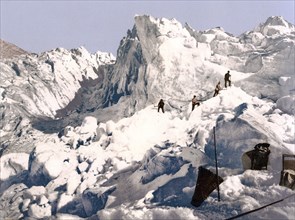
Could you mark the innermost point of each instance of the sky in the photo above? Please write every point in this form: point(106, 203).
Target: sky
point(38, 26)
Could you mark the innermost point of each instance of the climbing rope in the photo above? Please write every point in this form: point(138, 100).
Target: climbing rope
point(255, 210)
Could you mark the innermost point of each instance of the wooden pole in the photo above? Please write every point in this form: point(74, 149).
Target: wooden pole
point(216, 167)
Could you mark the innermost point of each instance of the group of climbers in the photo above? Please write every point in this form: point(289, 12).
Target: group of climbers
point(227, 82)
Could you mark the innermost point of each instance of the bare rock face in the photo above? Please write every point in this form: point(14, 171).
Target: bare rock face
point(9, 50)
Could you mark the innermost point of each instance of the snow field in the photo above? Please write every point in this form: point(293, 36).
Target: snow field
point(151, 149)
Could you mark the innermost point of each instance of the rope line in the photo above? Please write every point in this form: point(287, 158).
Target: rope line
point(254, 210)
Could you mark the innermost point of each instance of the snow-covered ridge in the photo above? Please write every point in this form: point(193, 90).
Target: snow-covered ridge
point(161, 52)
point(51, 78)
point(39, 85)
point(154, 53)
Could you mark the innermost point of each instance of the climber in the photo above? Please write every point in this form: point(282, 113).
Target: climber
point(195, 102)
point(227, 79)
point(161, 105)
point(217, 89)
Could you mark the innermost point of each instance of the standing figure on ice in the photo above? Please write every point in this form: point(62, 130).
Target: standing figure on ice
point(227, 79)
point(195, 102)
point(217, 89)
point(161, 105)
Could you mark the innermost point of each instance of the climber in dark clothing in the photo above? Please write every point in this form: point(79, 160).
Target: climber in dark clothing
point(217, 89)
point(227, 79)
point(195, 102)
point(161, 105)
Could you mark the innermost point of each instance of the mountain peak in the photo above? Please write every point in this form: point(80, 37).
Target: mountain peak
point(9, 50)
point(275, 25)
point(160, 26)
point(278, 21)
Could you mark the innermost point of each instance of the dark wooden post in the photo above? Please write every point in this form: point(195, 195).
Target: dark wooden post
point(216, 167)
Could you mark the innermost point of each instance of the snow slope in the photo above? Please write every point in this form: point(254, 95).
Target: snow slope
point(118, 158)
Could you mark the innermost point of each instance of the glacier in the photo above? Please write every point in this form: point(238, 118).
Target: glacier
point(81, 136)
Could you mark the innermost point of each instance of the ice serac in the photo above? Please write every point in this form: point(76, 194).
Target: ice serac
point(265, 54)
point(39, 85)
point(273, 60)
point(138, 64)
point(157, 59)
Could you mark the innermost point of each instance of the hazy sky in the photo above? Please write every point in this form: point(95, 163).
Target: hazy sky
point(38, 26)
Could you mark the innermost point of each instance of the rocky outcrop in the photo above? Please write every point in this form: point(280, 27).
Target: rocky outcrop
point(9, 50)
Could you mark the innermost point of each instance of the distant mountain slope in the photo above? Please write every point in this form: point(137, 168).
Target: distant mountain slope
point(9, 50)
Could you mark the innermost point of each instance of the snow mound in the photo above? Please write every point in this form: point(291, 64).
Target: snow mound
point(13, 164)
